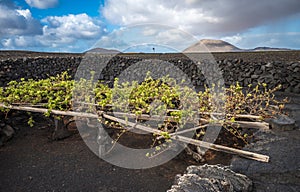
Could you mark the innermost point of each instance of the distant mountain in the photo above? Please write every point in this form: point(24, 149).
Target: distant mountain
point(269, 49)
point(102, 50)
point(212, 46)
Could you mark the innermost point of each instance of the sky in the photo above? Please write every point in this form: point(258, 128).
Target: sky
point(137, 25)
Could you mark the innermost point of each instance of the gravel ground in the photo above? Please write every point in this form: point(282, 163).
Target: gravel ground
point(282, 172)
point(31, 162)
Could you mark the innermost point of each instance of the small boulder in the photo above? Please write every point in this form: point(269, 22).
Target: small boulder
point(211, 178)
point(282, 123)
point(6, 133)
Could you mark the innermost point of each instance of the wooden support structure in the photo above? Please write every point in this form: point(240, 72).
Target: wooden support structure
point(201, 113)
point(207, 145)
point(246, 154)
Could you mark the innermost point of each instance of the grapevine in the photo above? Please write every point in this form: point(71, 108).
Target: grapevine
point(57, 93)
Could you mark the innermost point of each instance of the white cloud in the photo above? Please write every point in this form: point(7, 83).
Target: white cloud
point(42, 4)
point(21, 41)
point(163, 12)
point(235, 39)
point(279, 40)
point(148, 31)
point(148, 34)
point(25, 13)
point(75, 26)
point(58, 33)
point(7, 43)
point(205, 17)
point(14, 21)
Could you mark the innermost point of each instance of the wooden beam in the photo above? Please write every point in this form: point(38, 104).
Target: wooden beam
point(55, 112)
point(203, 113)
point(249, 124)
point(204, 144)
point(215, 147)
point(207, 145)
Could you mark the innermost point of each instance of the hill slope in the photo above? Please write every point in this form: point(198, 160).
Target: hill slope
point(104, 51)
point(211, 45)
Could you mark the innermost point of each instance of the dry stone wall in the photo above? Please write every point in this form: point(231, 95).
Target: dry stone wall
point(35, 68)
point(286, 73)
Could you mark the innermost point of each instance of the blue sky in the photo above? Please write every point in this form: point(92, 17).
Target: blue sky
point(77, 25)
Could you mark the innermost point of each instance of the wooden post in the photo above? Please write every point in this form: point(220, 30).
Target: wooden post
point(60, 130)
point(102, 141)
